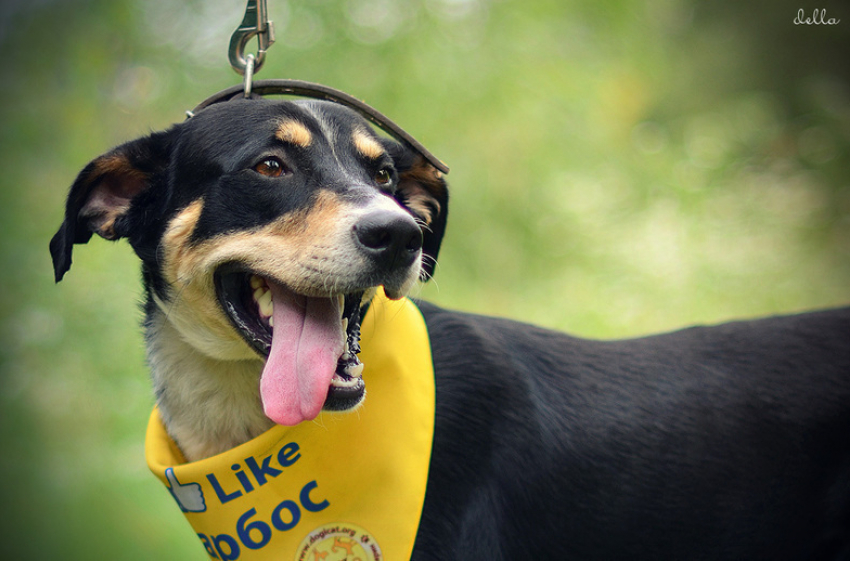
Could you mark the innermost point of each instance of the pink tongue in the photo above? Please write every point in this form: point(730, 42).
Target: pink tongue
point(307, 340)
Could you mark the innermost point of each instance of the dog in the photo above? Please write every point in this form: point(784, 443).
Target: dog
point(729, 442)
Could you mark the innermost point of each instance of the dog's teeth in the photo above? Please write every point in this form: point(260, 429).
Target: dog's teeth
point(354, 370)
point(258, 293)
point(256, 282)
point(265, 304)
point(271, 321)
point(345, 326)
point(341, 382)
point(341, 300)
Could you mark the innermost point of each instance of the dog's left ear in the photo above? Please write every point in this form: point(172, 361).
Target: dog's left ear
point(424, 192)
point(103, 194)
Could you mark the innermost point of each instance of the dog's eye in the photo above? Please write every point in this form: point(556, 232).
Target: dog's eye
point(383, 176)
point(270, 167)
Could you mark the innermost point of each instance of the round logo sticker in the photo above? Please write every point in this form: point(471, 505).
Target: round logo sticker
point(339, 542)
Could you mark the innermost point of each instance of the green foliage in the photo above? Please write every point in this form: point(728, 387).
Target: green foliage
point(617, 168)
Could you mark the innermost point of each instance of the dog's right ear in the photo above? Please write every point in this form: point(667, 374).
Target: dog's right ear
point(103, 194)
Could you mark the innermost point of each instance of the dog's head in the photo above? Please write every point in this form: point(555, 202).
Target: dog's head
point(262, 226)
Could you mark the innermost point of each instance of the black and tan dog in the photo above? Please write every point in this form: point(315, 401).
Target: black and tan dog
point(718, 443)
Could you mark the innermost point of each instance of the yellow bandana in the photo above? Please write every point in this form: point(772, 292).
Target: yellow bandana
point(344, 486)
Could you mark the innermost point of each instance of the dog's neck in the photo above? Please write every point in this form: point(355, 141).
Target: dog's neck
point(207, 405)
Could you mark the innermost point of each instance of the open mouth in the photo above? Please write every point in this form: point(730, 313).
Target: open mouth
point(310, 344)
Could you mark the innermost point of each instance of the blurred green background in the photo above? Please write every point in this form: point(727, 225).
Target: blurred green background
point(618, 168)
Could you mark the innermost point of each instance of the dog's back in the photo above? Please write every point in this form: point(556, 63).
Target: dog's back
point(726, 442)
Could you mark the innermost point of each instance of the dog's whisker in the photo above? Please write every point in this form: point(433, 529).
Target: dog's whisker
point(426, 226)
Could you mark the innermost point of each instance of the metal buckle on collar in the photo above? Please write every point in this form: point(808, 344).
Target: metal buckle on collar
point(301, 88)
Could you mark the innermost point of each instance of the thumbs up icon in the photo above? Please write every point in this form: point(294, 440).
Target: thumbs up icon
point(189, 496)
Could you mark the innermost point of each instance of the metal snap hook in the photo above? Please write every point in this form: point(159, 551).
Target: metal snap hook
point(255, 24)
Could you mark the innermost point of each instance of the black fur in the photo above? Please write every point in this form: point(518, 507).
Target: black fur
point(712, 443)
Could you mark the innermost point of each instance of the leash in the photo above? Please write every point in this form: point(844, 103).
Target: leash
point(256, 23)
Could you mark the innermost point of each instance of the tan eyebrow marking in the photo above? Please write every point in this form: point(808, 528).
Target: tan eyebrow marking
point(367, 145)
point(295, 133)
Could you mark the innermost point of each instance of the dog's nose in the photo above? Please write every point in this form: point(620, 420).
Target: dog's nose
point(390, 239)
